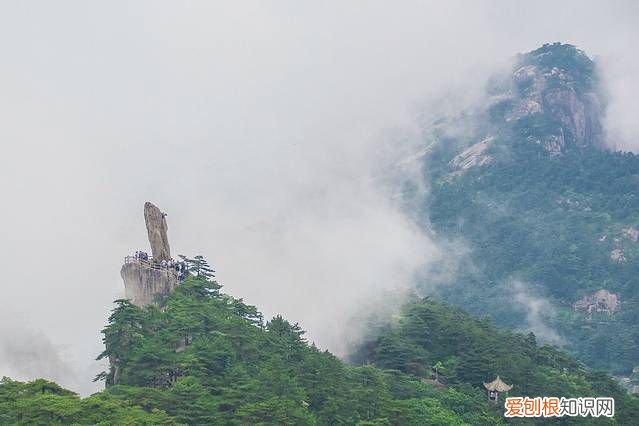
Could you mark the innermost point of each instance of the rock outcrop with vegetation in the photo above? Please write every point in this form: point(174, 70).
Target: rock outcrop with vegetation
point(551, 217)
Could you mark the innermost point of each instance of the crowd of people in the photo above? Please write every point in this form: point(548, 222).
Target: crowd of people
point(179, 267)
point(141, 255)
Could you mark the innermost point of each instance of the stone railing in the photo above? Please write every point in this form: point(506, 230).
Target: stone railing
point(149, 263)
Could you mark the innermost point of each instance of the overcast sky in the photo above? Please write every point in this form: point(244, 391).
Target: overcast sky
point(261, 128)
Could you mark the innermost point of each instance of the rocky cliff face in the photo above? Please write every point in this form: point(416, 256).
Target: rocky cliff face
point(553, 97)
point(142, 282)
point(550, 98)
point(144, 277)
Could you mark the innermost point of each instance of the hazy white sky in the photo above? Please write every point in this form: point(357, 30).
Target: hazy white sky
point(261, 128)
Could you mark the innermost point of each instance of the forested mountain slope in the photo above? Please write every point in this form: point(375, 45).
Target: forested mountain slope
point(547, 217)
point(547, 230)
point(203, 357)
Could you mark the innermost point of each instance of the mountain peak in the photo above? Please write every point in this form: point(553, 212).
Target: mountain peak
point(562, 64)
point(552, 100)
point(549, 98)
point(560, 55)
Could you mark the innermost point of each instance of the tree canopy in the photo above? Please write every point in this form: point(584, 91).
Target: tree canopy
point(204, 357)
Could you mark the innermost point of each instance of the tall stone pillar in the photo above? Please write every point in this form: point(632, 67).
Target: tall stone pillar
point(156, 227)
point(143, 279)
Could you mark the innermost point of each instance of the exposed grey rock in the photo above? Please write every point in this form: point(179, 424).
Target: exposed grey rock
point(142, 282)
point(551, 143)
point(473, 156)
point(554, 89)
point(156, 227)
point(631, 233)
point(549, 98)
point(618, 256)
point(144, 279)
point(599, 301)
point(578, 114)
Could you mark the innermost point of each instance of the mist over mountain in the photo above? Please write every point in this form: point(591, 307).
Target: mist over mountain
point(532, 219)
point(329, 161)
point(546, 209)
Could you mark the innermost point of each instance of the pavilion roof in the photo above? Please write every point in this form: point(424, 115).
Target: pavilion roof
point(498, 385)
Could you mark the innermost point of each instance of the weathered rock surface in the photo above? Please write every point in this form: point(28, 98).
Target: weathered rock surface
point(561, 101)
point(551, 98)
point(474, 156)
point(599, 301)
point(631, 233)
point(142, 282)
point(157, 229)
point(618, 256)
point(579, 115)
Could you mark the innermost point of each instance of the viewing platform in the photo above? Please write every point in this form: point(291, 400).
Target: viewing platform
point(178, 269)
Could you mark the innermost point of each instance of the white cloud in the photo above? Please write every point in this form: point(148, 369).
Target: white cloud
point(538, 311)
